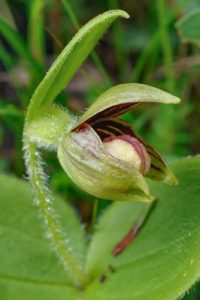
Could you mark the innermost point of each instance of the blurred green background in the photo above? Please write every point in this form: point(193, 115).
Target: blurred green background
point(146, 48)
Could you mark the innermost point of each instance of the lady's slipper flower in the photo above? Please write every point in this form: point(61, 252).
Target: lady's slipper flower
point(104, 156)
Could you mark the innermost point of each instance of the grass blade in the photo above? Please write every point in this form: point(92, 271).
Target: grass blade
point(6, 14)
point(150, 48)
point(19, 46)
point(36, 31)
point(166, 45)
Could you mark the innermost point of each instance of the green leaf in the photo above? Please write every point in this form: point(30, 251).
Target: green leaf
point(6, 13)
point(68, 62)
point(29, 268)
point(188, 27)
point(163, 262)
point(36, 36)
point(123, 97)
point(6, 58)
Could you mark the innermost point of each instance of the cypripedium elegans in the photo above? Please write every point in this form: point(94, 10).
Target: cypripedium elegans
point(104, 156)
point(101, 153)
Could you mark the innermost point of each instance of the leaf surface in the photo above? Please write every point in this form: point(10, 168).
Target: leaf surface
point(163, 262)
point(29, 265)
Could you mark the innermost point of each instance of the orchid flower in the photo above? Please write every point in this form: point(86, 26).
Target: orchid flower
point(101, 153)
point(104, 155)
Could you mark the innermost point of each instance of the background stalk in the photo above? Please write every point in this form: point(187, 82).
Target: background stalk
point(166, 45)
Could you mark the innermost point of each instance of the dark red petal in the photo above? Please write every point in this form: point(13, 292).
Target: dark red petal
point(112, 127)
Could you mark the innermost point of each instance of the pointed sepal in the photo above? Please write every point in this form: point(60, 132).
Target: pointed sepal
point(122, 98)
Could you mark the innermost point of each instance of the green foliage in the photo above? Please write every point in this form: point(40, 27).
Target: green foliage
point(162, 262)
point(188, 27)
point(18, 44)
point(6, 13)
point(70, 60)
point(36, 31)
point(9, 110)
point(77, 25)
point(29, 267)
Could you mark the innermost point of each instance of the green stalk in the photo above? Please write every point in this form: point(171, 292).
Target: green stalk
point(71, 14)
point(14, 39)
point(135, 75)
point(6, 14)
point(118, 41)
point(6, 59)
point(166, 45)
point(148, 50)
point(43, 200)
point(36, 31)
point(151, 66)
point(95, 57)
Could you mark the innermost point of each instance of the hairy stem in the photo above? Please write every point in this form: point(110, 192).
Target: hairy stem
point(43, 200)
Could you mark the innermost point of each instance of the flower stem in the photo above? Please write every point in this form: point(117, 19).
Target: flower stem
point(43, 200)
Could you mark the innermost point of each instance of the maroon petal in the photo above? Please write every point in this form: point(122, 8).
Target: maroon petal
point(112, 127)
point(122, 98)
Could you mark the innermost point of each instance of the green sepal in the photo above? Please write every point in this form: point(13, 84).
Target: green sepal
point(85, 160)
point(70, 59)
point(124, 97)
